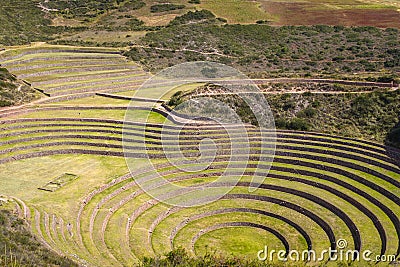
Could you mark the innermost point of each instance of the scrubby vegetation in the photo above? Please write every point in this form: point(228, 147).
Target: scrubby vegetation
point(25, 21)
point(256, 48)
point(84, 9)
point(23, 25)
point(394, 136)
point(14, 92)
point(20, 248)
point(368, 116)
point(365, 115)
point(193, 16)
point(165, 7)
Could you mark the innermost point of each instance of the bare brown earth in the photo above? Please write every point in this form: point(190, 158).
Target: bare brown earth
point(312, 14)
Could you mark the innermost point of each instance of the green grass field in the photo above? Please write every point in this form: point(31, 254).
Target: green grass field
point(238, 12)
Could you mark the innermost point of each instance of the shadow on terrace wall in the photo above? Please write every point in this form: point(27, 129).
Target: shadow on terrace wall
point(392, 143)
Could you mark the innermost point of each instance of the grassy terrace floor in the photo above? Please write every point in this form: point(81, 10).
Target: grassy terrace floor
point(64, 70)
point(320, 188)
point(369, 178)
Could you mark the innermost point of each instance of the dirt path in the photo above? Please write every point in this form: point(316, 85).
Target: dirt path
point(295, 92)
point(46, 9)
point(184, 50)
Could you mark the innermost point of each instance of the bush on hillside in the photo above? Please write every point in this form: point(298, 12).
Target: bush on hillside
point(394, 136)
point(192, 16)
point(165, 7)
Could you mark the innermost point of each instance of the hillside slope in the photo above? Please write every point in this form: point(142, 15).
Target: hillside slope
point(273, 50)
point(20, 248)
point(14, 91)
point(22, 21)
point(394, 136)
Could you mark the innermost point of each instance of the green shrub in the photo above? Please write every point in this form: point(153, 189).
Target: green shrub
point(134, 24)
point(394, 136)
point(262, 21)
point(289, 105)
point(308, 112)
point(280, 123)
point(298, 124)
point(191, 16)
point(362, 106)
point(165, 7)
point(176, 99)
point(131, 5)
